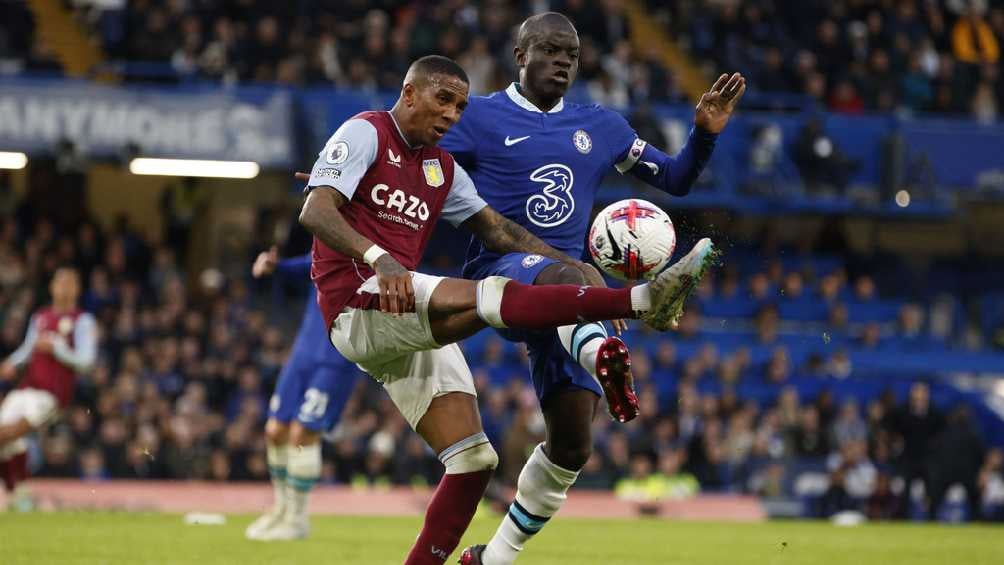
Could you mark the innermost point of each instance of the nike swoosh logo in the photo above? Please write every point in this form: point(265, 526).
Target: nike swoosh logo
point(514, 141)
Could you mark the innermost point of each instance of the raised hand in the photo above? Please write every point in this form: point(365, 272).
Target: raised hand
point(716, 106)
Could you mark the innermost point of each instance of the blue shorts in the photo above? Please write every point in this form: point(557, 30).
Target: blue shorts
point(551, 368)
point(316, 381)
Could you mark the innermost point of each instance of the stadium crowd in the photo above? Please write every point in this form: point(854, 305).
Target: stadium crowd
point(850, 56)
point(187, 363)
point(365, 45)
point(853, 56)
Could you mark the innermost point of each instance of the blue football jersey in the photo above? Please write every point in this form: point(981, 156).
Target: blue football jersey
point(541, 170)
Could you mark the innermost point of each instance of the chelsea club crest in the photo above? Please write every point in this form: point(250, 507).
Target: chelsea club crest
point(582, 141)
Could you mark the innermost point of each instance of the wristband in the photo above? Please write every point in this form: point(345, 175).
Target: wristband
point(373, 253)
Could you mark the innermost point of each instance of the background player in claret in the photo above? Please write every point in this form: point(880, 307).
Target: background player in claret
point(61, 342)
point(381, 183)
point(539, 161)
point(313, 387)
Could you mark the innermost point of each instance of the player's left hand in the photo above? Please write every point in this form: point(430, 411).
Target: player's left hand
point(716, 106)
point(594, 278)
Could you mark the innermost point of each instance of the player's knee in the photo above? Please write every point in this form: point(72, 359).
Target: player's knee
point(489, 300)
point(463, 457)
point(570, 456)
point(276, 432)
point(561, 273)
point(300, 435)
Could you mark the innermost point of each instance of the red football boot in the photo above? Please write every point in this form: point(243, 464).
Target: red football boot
point(613, 369)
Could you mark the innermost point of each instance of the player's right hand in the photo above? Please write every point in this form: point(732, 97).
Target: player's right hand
point(301, 176)
point(7, 371)
point(397, 295)
point(265, 263)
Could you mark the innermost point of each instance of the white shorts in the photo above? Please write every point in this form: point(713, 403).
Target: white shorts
point(35, 405)
point(400, 351)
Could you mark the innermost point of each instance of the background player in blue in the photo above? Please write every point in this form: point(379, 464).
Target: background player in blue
point(539, 162)
point(313, 387)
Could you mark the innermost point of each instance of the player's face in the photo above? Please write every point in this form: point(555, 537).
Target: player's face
point(65, 286)
point(551, 63)
point(438, 105)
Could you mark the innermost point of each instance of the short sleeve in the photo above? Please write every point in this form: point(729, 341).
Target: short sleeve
point(346, 157)
point(625, 146)
point(463, 200)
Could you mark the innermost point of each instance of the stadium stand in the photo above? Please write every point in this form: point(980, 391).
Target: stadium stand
point(800, 373)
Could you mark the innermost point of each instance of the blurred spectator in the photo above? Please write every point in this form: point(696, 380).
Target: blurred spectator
point(991, 483)
point(916, 424)
point(956, 456)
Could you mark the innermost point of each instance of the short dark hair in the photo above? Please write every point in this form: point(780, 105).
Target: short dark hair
point(437, 65)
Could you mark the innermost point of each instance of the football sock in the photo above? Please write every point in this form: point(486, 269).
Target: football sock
point(276, 456)
point(505, 303)
point(582, 342)
point(540, 492)
point(641, 298)
point(469, 466)
point(304, 469)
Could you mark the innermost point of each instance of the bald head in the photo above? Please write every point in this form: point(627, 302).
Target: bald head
point(543, 25)
point(547, 54)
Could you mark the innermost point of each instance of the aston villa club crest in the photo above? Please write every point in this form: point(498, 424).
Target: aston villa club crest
point(433, 173)
point(582, 141)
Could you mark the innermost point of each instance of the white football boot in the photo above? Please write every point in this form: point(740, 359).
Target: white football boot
point(264, 523)
point(288, 529)
point(672, 287)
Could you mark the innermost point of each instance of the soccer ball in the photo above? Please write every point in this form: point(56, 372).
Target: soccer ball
point(632, 239)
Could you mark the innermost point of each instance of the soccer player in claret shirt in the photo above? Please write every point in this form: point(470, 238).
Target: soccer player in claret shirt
point(539, 161)
point(61, 342)
point(374, 195)
point(313, 387)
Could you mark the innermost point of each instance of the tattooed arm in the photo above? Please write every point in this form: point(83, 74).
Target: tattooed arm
point(503, 235)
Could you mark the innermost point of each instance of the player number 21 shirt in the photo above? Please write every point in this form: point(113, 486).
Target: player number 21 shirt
point(395, 193)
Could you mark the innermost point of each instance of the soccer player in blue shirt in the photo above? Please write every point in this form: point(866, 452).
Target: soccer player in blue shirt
point(539, 162)
point(313, 387)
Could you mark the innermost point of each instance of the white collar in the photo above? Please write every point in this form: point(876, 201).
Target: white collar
point(401, 133)
point(522, 102)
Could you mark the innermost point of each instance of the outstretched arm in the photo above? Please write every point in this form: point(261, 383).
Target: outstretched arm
point(268, 262)
point(677, 174)
point(502, 235)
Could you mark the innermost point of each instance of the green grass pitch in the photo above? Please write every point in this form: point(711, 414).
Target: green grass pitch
point(73, 538)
